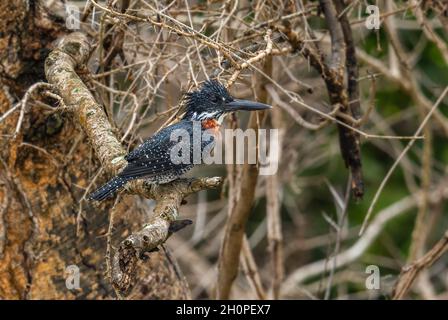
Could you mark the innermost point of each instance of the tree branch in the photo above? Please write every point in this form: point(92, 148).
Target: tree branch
point(409, 273)
point(292, 282)
point(71, 54)
point(333, 75)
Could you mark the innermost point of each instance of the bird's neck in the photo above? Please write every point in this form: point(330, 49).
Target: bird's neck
point(210, 124)
point(206, 116)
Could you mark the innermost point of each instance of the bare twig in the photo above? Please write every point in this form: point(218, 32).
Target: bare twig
point(354, 252)
point(251, 270)
point(428, 30)
point(333, 75)
point(409, 273)
point(23, 105)
point(260, 56)
point(397, 161)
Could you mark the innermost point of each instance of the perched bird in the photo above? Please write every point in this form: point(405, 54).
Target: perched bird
point(152, 159)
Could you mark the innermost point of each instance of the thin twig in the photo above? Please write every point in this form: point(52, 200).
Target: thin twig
point(397, 161)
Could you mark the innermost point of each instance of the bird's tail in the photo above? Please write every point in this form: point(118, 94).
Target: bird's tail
point(108, 189)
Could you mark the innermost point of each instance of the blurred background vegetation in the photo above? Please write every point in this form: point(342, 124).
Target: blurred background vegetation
point(303, 227)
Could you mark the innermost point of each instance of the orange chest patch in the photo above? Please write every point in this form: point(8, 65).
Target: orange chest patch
point(210, 124)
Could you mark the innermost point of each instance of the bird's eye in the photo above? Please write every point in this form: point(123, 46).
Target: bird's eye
point(214, 99)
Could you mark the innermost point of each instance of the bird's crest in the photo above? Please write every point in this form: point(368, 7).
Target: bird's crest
point(206, 98)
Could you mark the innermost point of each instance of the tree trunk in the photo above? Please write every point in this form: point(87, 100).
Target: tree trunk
point(44, 227)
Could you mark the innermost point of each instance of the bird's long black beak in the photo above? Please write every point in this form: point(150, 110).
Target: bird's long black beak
point(238, 104)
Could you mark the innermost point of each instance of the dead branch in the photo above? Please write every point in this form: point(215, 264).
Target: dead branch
point(274, 232)
point(351, 254)
point(409, 273)
point(363, 243)
point(251, 270)
point(260, 56)
point(235, 229)
point(397, 161)
point(333, 75)
point(428, 30)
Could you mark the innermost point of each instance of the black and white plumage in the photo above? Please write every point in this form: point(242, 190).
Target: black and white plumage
point(152, 159)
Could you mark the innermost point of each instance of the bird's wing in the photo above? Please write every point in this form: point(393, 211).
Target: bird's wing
point(155, 167)
point(154, 144)
point(153, 157)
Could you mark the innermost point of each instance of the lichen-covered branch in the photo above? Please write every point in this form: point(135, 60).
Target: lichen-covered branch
point(158, 229)
point(70, 55)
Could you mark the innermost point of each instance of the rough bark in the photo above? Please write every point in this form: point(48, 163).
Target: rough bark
point(42, 176)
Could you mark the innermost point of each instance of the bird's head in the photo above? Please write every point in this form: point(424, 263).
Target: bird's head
point(213, 101)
